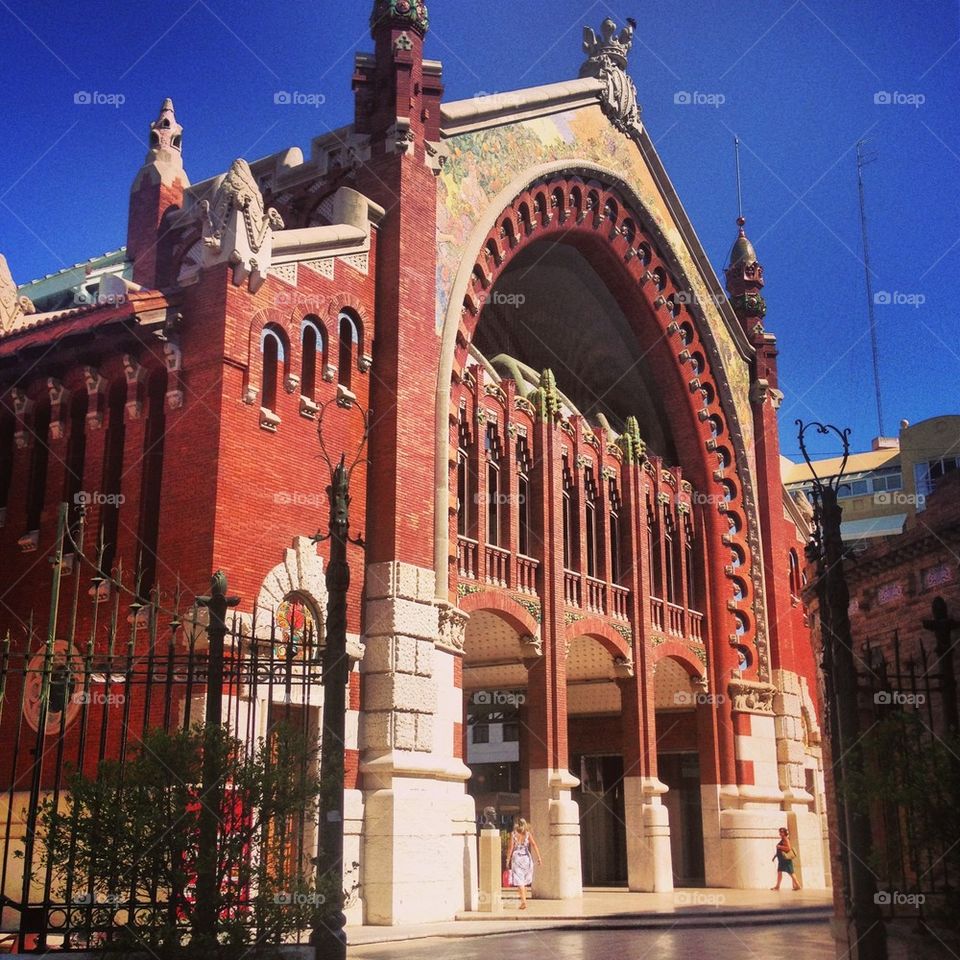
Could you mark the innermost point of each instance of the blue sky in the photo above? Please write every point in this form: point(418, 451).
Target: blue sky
point(797, 80)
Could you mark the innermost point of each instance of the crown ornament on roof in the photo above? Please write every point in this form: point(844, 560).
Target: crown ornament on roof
point(607, 61)
point(408, 13)
point(610, 44)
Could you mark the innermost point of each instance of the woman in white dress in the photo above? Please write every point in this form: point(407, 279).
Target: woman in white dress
point(520, 858)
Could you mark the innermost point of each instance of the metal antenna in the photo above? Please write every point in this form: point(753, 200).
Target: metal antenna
point(736, 151)
point(862, 161)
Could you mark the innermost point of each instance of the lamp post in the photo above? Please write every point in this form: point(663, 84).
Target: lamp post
point(328, 937)
point(865, 930)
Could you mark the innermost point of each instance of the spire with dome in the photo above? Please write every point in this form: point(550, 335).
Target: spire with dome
point(744, 276)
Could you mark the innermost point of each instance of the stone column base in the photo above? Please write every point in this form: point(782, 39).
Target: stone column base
point(805, 832)
point(649, 858)
point(740, 827)
point(555, 821)
point(352, 830)
point(419, 841)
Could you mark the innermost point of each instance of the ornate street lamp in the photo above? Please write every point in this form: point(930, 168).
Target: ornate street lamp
point(866, 933)
point(328, 937)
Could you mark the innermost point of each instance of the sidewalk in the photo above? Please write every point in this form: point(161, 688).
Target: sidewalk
point(606, 909)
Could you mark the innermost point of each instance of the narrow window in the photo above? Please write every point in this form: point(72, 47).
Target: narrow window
point(616, 571)
point(151, 484)
point(76, 451)
point(38, 467)
point(590, 502)
point(494, 493)
point(311, 345)
point(655, 554)
point(570, 531)
point(523, 497)
point(466, 485)
point(693, 599)
point(112, 476)
point(273, 358)
point(348, 337)
point(6, 456)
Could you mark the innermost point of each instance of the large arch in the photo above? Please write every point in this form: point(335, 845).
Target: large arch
point(593, 209)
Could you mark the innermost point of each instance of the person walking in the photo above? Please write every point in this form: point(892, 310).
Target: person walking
point(785, 856)
point(520, 859)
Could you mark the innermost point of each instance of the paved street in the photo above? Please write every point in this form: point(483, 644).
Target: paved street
point(811, 941)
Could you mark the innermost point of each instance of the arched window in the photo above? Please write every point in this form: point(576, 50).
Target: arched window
point(466, 483)
point(274, 358)
point(653, 552)
point(494, 490)
point(523, 497)
point(570, 531)
point(152, 482)
point(36, 492)
point(590, 518)
point(349, 336)
point(76, 450)
point(313, 353)
point(616, 567)
point(669, 546)
point(796, 581)
point(693, 588)
point(113, 474)
point(6, 455)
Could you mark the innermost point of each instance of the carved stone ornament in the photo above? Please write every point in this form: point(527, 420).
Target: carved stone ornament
point(13, 308)
point(408, 13)
point(750, 696)
point(607, 61)
point(236, 229)
point(531, 648)
point(453, 626)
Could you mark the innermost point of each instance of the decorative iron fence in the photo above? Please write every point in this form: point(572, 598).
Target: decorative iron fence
point(153, 790)
point(911, 779)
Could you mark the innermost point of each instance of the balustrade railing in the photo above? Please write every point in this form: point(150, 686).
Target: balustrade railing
point(656, 613)
point(498, 566)
point(467, 558)
point(695, 620)
point(526, 574)
point(621, 600)
point(572, 589)
point(675, 620)
point(596, 595)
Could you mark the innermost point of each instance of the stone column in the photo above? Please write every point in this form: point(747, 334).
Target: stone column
point(554, 815)
point(649, 858)
point(419, 843)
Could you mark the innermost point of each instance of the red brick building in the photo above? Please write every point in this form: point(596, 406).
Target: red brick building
point(573, 495)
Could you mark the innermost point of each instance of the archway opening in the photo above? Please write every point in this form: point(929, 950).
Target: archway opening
point(552, 308)
point(595, 736)
point(677, 700)
point(494, 708)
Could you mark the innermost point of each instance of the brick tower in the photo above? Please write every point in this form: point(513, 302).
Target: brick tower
point(156, 193)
